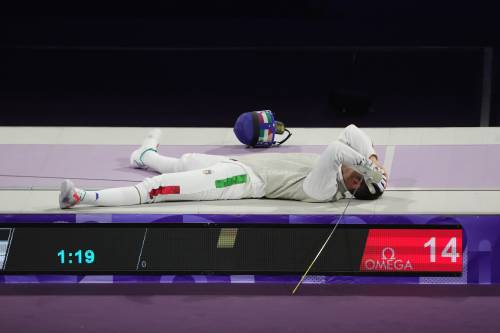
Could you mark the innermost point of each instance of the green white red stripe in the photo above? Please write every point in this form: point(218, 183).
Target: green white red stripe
point(265, 135)
point(264, 117)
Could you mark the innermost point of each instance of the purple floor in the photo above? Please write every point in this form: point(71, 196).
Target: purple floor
point(248, 308)
point(98, 166)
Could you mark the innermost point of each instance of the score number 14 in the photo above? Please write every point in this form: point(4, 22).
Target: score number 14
point(449, 251)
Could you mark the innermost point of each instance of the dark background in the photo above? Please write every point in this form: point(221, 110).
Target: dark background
point(202, 63)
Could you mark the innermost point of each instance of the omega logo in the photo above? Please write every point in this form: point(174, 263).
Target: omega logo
point(388, 262)
point(391, 250)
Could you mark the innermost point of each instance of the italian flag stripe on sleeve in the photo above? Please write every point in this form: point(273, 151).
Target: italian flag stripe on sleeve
point(240, 179)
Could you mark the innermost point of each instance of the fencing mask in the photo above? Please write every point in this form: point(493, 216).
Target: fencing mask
point(258, 128)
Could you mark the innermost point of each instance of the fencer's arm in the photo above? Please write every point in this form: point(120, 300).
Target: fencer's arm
point(321, 182)
point(358, 140)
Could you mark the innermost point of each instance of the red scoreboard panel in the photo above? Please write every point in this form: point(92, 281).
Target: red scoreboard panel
point(413, 250)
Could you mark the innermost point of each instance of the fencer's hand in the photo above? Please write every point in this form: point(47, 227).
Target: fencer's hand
point(370, 172)
point(380, 186)
point(375, 160)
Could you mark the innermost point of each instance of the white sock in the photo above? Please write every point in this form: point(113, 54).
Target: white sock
point(120, 196)
point(160, 163)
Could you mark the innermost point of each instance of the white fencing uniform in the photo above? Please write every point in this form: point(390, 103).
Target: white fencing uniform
point(204, 177)
point(283, 175)
point(297, 176)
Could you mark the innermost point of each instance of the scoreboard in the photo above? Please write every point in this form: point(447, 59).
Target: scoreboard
point(211, 248)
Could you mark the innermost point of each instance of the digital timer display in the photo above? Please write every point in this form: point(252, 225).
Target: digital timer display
point(77, 257)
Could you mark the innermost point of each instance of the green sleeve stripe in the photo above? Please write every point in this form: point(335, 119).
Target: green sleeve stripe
point(240, 179)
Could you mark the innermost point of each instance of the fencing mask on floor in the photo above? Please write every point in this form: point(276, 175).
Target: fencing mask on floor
point(258, 129)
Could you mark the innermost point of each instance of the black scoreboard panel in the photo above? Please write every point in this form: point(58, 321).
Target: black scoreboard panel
point(218, 249)
point(36, 249)
point(253, 250)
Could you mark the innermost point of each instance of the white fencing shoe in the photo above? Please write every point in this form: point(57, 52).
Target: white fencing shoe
point(150, 143)
point(68, 196)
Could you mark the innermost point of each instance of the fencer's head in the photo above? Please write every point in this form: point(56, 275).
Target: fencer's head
point(352, 179)
point(356, 185)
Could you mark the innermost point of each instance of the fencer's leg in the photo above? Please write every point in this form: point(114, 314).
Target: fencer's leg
point(160, 163)
point(70, 196)
point(147, 156)
point(120, 196)
point(195, 161)
point(192, 161)
point(222, 181)
point(149, 144)
point(358, 140)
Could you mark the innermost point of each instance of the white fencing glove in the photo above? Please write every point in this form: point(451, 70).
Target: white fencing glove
point(377, 187)
point(373, 175)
